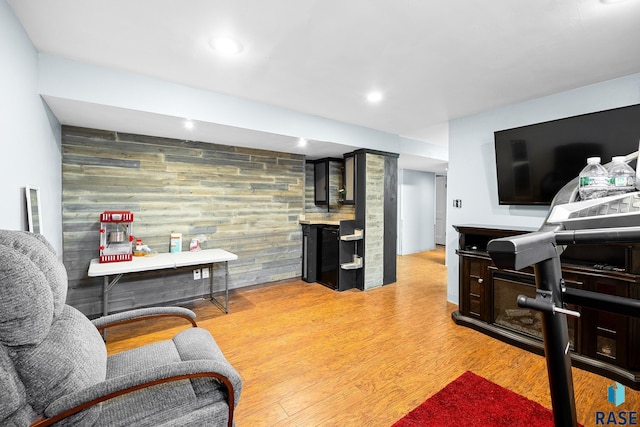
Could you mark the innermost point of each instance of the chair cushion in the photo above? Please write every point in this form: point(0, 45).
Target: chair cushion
point(150, 403)
point(36, 247)
point(14, 409)
point(26, 306)
point(190, 401)
point(33, 285)
point(71, 357)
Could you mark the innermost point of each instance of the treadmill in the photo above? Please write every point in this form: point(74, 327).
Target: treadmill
point(570, 221)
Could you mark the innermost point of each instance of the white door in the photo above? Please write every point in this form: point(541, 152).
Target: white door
point(441, 209)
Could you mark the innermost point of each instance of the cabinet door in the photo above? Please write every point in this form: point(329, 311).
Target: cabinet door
point(321, 182)
point(349, 179)
point(305, 253)
point(605, 334)
point(329, 256)
point(309, 253)
point(634, 333)
point(474, 292)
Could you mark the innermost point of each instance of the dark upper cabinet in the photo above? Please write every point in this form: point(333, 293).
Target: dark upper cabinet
point(327, 176)
point(349, 179)
point(321, 182)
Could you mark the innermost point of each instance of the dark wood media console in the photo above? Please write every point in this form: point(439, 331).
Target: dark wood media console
point(601, 342)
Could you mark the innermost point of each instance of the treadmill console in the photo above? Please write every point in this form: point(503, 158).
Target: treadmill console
point(621, 210)
point(569, 213)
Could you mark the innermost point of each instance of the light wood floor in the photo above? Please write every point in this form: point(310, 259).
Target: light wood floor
point(311, 356)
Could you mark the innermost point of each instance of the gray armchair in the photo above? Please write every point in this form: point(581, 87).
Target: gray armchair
point(54, 368)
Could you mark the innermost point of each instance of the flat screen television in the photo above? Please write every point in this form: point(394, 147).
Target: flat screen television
point(534, 162)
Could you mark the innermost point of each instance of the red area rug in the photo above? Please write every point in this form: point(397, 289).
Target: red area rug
point(471, 400)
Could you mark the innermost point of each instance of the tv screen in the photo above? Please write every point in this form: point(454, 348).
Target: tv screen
point(534, 162)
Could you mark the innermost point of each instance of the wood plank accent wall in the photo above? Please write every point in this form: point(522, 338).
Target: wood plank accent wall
point(243, 200)
point(374, 221)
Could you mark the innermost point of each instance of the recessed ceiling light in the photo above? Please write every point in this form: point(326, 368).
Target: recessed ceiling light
point(188, 124)
point(611, 1)
point(374, 97)
point(302, 142)
point(226, 45)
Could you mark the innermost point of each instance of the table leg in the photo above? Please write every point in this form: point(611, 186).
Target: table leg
point(106, 286)
point(226, 286)
point(224, 307)
point(211, 281)
point(105, 303)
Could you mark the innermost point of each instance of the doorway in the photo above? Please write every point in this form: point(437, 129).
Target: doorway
point(441, 210)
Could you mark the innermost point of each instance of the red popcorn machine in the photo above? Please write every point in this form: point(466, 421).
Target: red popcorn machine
point(116, 235)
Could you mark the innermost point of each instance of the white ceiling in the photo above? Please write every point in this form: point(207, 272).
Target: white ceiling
point(433, 61)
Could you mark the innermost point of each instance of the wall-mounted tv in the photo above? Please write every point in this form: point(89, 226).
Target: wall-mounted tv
point(533, 162)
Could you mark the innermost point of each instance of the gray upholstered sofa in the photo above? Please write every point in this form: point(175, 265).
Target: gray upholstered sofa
point(54, 368)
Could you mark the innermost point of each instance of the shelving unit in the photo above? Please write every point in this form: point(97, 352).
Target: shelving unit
point(351, 254)
point(356, 263)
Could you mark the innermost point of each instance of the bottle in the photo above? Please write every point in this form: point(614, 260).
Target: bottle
point(622, 177)
point(594, 180)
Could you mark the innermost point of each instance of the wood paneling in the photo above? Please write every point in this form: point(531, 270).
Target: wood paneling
point(374, 221)
point(310, 356)
point(243, 200)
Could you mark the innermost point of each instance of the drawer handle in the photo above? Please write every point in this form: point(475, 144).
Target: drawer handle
point(480, 280)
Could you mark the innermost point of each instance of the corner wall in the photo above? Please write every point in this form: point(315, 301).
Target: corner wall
point(30, 145)
point(471, 176)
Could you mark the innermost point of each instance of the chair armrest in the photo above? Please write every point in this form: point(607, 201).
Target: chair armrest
point(83, 399)
point(142, 314)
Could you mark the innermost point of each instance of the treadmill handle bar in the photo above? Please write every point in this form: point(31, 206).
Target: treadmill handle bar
point(545, 306)
point(598, 235)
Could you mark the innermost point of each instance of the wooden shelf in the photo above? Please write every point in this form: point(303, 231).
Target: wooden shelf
point(354, 265)
point(357, 235)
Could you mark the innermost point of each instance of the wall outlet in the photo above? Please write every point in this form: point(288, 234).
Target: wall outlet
point(196, 274)
point(457, 203)
point(205, 273)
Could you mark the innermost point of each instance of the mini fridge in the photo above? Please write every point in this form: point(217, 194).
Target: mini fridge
point(329, 257)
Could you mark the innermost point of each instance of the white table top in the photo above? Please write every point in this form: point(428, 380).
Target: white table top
point(159, 261)
point(205, 256)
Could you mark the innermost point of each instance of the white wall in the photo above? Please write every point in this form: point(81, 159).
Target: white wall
point(472, 176)
point(30, 135)
point(66, 80)
point(416, 211)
